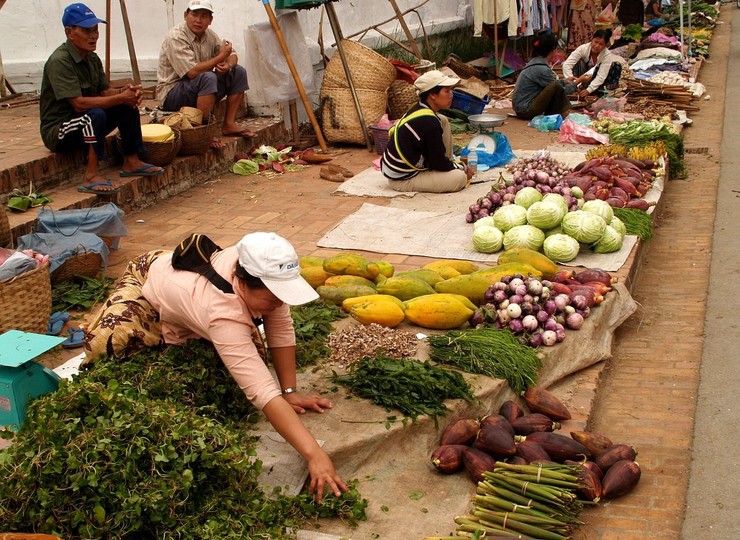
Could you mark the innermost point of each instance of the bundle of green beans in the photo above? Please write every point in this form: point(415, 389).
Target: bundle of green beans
point(488, 351)
point(637, 222)
point(538, 501)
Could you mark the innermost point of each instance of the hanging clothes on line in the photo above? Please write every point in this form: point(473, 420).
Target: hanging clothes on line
point(505, 10)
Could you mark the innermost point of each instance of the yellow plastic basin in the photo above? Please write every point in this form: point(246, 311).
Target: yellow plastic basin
point(156, 132)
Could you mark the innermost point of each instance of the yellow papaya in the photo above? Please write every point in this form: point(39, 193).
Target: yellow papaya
point(337, 295)
point(314, 275)
point(438, 311)
point(380, 278)
point(495, 273)
point(464, 267)
point(445, 272)
point(386, 268)
point(404, 288)
point(471, 286)
point(310, 260)
point(349, 302)
point(346, 279)
point(384, 313)
point(425, 274)
point(533, 258)
point(352, 264)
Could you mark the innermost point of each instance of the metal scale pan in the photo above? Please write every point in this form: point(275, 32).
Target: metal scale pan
point(486, 124)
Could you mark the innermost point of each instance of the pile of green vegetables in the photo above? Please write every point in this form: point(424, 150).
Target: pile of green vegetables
point(312, 324)
point(151, 447)
point(80, 293)
point(413, 387)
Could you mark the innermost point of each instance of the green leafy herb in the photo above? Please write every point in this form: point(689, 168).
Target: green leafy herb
point(488, 351)
point(80, 293)
point(637, 222)
point(312, 323)
point(415, 388)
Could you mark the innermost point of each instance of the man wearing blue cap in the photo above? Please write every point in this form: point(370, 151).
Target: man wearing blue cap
point(79, 108)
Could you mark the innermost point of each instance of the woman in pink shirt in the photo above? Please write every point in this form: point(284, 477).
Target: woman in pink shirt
point(264, 273)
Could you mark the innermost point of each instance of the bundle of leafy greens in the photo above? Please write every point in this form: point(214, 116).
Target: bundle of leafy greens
point(312, 324)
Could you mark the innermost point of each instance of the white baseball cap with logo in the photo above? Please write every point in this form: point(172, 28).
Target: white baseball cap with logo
point(432, 79)
point(200, 4)
point(273, 259)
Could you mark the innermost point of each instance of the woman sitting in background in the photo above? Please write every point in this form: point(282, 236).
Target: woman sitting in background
point(538, 90)
point(607, 67)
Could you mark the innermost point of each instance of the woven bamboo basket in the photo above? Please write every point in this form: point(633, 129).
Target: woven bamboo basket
point(401, 97)
point(462, 69)
point(198, 139)
point(83, 263)
point(26, 301)
point(339, 115)
point(370, 70)
point(159, 153)
point(6, 236)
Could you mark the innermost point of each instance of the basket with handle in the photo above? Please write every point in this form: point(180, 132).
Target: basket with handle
point(197, 140)
point(6, 235)
point(26, 301)
point(339, 115)
point(369, 70)
point(83, 263)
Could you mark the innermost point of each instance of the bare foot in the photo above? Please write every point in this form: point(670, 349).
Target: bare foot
point(217, 144)
point(236, 130)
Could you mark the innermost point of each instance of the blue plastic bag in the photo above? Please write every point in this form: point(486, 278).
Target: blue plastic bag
point(549, 122)
point(501, 156)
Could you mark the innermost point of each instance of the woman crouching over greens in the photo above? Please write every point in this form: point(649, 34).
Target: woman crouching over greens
point(538, 91)
point(419, 153)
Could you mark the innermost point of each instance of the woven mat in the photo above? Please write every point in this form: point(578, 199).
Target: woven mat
point(442, 235)
point(370, 183)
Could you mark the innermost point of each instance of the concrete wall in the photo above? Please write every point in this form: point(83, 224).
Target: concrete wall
point(31, 29)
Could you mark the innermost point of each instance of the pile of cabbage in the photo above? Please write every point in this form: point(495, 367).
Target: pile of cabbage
point(546, 223)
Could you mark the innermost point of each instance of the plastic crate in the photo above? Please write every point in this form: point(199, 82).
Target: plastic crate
point(467, 103)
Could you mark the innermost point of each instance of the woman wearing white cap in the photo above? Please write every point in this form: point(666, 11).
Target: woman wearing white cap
point(263, 270)
point(419, 154)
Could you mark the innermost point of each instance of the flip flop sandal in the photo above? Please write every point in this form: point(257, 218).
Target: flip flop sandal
point(144, 170)
point(75, 339)
point(56, 323)
point(90, 188)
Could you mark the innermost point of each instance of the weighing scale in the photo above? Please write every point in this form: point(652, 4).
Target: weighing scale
point(484, 141)
point(21, 378)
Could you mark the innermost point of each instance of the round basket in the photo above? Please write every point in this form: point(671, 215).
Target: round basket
point(380, 138)
point(159, 153)
point(401, 97)
point(197, 140)
point(339, 115)
point(370, 70)
point(26, 301)
point(83, 263)
point(6, 236)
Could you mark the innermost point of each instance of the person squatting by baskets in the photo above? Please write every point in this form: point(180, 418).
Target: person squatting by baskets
point(198, 69)
point(538, 90)
point(594, 55)
point(155, 303)
point(78, 108)
point(418, 156)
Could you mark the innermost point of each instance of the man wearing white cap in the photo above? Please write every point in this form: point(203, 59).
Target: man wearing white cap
point(265, 275)
point(419, 154)
point(198, 69)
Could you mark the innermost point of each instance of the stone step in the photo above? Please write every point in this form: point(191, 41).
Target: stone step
point(58, 176)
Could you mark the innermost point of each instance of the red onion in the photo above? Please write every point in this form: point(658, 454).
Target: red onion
point(515, 311)
point(561, 301)
point(474, 208)
point(500, 286)
point(542, 177)
point(584, 312)
point(546, 283)
point(560, 334)
point(499, 296)
point(550, 307)
point(550, 324)
point(483, 213)
point(542, 316)
point(527, 307)
point(503, 316)
point(527, 298)
point(521, 290)
point(549, 338)
point(515, 325)
point(530, 323)
point(486, 203)
point(534, 287)
point(504, 304)
point(516, 299)
point(469, 218)
point(506, 279)
point(495, 198)
point(535, 340)
point(574, 321)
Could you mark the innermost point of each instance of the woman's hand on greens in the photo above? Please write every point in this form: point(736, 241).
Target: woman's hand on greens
point(324, 476)
point(303, 402)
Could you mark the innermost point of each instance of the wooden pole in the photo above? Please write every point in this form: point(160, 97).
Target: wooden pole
point(130, 43)
point(107, 38)
point(405, 28)
point(337, 31)
point(170, 13)
point(294, 72)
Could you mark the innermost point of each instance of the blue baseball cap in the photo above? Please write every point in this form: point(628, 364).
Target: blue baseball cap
point(80, 15)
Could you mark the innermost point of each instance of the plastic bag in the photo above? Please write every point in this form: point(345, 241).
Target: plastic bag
point(578, 118)
point(608, 104)
point(573, 133)
point(501, 156)
point(550, 122)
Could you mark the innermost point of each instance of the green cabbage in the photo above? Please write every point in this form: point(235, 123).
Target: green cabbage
point(561, 247)
point(487, 239)
point(600, 208)
point(559, 200)
point(524, 236)
point(527, 196)
point(583, 226)
point(544, 215)
point(556, 230)
point(576, 192)
point(609, 242)
point(618, 225)
point(509, 216)
point(245, 167)
point(484, 222)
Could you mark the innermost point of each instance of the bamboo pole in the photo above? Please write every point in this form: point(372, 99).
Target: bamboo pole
point(170, 13)
point(107, 38)
point(130, 43)
point(294, 72)
point(405, 28)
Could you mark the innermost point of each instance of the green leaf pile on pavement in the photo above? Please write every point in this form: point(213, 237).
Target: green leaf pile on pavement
point(80, 293)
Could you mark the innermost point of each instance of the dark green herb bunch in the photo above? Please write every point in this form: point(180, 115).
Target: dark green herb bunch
point(312, 323)
point(80, 293)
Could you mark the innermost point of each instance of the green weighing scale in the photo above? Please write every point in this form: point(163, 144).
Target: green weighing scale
point(21, 378)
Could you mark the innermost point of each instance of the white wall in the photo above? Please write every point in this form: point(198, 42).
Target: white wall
point(31, 29)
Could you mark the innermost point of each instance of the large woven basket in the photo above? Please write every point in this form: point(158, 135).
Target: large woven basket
point(83, 263)
point(339, 115)
point(159, 153)
point(26, 301)
point(401, 97)
point(197, 140)
point(370, 70)
point(6, 236)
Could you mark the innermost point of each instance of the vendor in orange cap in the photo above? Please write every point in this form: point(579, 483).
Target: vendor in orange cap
point(419, 153)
